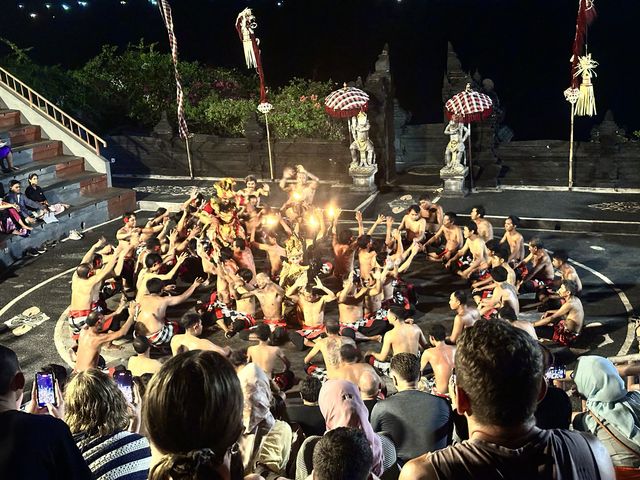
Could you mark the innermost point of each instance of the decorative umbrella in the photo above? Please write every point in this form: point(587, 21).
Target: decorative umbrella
point(469, 106)
point(346, 102)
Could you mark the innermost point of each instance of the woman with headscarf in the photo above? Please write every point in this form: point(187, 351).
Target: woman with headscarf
point(341, 406)
point(613, 414)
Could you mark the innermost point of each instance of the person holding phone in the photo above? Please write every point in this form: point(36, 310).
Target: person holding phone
point(100, 418)
point(31, 445)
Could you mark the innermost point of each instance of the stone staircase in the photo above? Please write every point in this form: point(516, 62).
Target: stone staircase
point(64, 177)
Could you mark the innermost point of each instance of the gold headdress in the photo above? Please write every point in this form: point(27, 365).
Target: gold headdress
point(293, 247)
point(224, 188)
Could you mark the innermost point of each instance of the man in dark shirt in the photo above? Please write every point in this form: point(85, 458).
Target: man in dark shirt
point(498, 382)
point(307, 414)
point(416, 421)
point(33, 446)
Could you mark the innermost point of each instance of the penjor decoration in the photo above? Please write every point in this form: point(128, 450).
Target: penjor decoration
point(580, 94)
point(245, 26)
point(165, 11)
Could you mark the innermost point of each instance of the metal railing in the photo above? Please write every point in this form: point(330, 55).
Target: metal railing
point(52, 112)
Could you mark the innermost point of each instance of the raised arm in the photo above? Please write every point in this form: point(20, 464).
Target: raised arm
point(92, 251)
point(378, 221)
point(170, 301)
point(359, 220)
point(329, 295)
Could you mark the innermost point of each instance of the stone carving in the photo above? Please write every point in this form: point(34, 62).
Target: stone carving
point(455, 152)
point(362, 151)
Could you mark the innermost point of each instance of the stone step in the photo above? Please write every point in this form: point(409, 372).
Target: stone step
point(47, 169)
point(40, 150)
point(67, 188)
point(88, 210)
point(9, 118)
point(20, 134)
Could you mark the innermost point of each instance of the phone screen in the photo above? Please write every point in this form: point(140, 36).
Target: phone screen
point(555, 372)
point(124, 380)
point(45, 389)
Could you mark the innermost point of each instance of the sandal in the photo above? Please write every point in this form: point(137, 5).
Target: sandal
point(15, 169)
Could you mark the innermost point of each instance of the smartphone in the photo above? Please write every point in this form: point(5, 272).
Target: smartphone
point(124, 380)
point(46, 389)
point(556, 371)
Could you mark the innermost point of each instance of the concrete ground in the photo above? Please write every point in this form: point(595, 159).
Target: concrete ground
point(607, 263)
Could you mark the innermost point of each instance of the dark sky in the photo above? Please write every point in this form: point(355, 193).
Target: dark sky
point(523, 45)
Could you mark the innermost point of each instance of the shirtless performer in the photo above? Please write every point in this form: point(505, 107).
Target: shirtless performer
point(265, 355)
point(303, 189)
point(271, 296)
point(351, 368)
point(402, 338)
point(514, 239)
point(507, 314)
point(414, 224)
point(243, 317)
point(142, 363)
point(366, 256)
point(465, 316)
point(153, 264)
point(476, 246)
point(453, 238)
point(243, 255)
point(441, 358)
point(151, 321)
point(191, 325)
point(432, 213)
point(274, 251)
point(311, 301)
point(93, 336)
point(560, 261)
point(497, 258)
point(330, 349)
point(352, 316)
point(251, 182)
point(485, 229)
point(85, 288)
point(570, 315)
point(503, 294)
point(344, 248)
point(540, 275)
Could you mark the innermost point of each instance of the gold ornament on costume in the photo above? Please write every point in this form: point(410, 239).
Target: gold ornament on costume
point(293, 247)
point(224, 188)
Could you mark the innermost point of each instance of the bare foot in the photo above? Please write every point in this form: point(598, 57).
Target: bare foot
point(111, 346)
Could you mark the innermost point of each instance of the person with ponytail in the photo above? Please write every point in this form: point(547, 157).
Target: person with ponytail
point(193, 417)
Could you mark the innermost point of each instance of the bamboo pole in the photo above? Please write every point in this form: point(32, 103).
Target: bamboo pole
point(573, 112)
point(186, 141)
point(266, 121)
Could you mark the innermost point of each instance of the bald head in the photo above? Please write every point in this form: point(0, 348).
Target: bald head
point(11, 378)
point(369, 385)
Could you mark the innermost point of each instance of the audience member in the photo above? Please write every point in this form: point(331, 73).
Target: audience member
point(33, 446)
point(98, 415)
point(343, 453)
point(499, 380)
point(612, 413)
point(307, 414)
point(416, 421)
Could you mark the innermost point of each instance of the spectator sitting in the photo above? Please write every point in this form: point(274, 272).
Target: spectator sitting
point(98, 415)
point(342, 406)
point(33, 446)
point(23, 203)
point(343, 453)
point(416, 421)
point(612, 412)
point(6, 154)
point(200, 390)
point(554, 410)
point(35, 193)
point(498, 382)
point(11, 221)
point(307, 414)
point(369, 386)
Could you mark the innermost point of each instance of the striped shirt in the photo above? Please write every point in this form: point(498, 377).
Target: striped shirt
point(120, 455)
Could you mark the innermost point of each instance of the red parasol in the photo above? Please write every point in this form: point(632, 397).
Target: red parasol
point(469, 106)
point(346, 102)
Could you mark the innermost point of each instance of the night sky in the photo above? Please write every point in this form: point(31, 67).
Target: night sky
point(523, 45)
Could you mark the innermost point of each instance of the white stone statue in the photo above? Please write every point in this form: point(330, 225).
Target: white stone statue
point(362, 152)
point(455, 151)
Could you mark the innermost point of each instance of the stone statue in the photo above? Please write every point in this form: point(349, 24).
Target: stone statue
point(455, 151)
point(362, 152)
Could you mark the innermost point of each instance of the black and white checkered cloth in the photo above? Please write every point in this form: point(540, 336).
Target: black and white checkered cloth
point(165, 11)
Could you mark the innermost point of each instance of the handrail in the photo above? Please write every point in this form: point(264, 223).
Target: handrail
point(51, 111)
